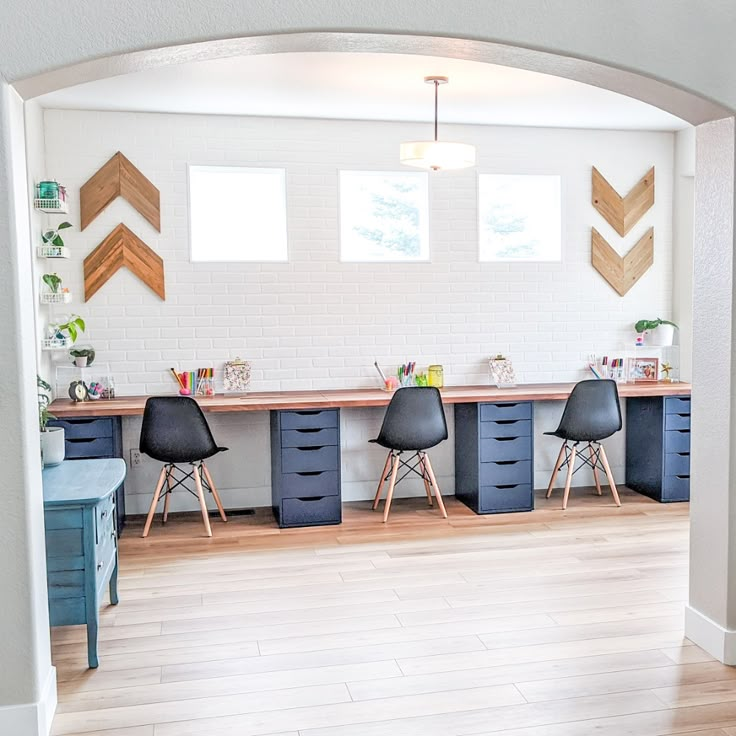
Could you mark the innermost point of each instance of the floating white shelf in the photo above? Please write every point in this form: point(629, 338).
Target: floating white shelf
point(52, 206)
point(55, 343)
point(62, 297)
point(52, 251)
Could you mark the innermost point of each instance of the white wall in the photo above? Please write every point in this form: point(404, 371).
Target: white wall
point(318, 323)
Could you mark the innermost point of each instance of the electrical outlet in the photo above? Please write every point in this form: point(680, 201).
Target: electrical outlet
point(135, 458)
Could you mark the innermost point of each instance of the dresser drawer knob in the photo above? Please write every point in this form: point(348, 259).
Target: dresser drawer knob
point(99, 566)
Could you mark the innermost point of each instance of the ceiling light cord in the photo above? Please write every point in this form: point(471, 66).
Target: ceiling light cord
point(436, 107)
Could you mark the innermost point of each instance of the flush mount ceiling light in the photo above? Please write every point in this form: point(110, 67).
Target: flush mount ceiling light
point(437, 155)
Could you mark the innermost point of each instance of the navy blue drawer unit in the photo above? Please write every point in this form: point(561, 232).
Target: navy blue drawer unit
point(95, 437)
point(494, 456)
point(81, 542)
point(305, 467)
point(658, 447)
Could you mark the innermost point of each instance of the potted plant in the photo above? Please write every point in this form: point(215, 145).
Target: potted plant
point(53, 281)
point(70, 329)
point(83, 355)
point(52, 237)
point(52, 438)
point(661, 331)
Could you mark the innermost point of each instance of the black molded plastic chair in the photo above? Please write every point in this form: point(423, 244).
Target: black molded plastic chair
point(175, 432)
point(414, 422)
point(592, 413)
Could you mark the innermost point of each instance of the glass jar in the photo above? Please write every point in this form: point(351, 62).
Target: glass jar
point(48, 190)
point(435, 376)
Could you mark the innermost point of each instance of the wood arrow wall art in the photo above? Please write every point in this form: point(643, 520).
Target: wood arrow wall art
point(622, 273)
point(119, 178)
point(123, 248)
point(622, 213)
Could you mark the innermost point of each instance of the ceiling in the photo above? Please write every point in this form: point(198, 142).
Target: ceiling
point(365, 86)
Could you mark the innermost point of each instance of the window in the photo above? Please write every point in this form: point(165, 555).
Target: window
point(384, 216)
point(237, 214)
point(519, 218)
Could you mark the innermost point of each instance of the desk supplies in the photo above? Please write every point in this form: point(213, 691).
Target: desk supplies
point(436, 376)
point(502, 372)
point(236, 375)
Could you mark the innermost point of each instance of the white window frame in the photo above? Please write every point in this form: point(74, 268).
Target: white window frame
point(480, 211)
point(424, 223)
point(229, 168)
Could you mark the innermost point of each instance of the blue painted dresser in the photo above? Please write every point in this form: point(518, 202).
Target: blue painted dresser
point(305, 467)
point(88, 437)
point(81, 541)
point(658, 447)
point(494, 456)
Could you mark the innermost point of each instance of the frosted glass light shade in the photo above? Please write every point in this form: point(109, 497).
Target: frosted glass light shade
point(437, 155)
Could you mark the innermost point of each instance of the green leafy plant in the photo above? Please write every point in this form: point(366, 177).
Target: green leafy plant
point(72, 327)
point(52, 237)
point(646, 325)
point(83, 351)
point(44, 415)
point(53, 281)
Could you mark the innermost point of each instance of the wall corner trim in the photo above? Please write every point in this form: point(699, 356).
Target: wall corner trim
point(710, 636)
point(33, 719)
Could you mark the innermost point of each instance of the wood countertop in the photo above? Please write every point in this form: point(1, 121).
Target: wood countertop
point(342, 398)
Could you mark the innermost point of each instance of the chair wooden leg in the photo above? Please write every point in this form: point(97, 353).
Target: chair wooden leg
point(558, 465)
point(154, 502)
point(435, 485)
point(167, 498)
point(609, 475)
point(215, 494)
point(425, 478)
point(391, 484)
point(377, 497)
point(202, 502)
point(594, 460)
point(568, 482)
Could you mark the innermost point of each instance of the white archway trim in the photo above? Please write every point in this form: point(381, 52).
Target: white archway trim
point(688, 106)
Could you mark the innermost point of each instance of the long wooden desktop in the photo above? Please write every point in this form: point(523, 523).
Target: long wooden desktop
point(493, 441)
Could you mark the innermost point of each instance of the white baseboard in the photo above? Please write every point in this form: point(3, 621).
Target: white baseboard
point(31, 719)
point(710, 636)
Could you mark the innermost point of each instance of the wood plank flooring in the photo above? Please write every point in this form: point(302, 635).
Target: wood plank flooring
point(549, 623)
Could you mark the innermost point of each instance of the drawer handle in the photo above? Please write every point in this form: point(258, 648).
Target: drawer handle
point(683, 431)
point(507, 421)
point(311, 472)
point(99, 566)
point(81, 440)
point(682, 477)
point(103, 514)
point(505, 439)
point(507, 462)
point(684, 454)
point(310, 500)
point(506, 487)
point(310, 449)
point(307, 413)
point(506, 406)
point(310, 430)
point(81, 421)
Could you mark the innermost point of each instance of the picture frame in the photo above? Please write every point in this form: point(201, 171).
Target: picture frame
point(644, 370)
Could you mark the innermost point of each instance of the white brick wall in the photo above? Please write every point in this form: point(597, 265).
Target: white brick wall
point(317, 323)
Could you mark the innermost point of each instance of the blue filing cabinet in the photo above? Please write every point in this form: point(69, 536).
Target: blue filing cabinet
point(95, 437)
point(494, 456)
point(81, 541)
point(658, 447)
point(305, 467)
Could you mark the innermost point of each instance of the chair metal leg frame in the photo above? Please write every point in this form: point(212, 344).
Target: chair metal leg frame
point(422, 467)
point(202, 481)
point(595, 459)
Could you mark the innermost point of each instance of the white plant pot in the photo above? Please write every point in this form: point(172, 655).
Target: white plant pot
point(661, 336)
point(80, 361)
point(52, 445)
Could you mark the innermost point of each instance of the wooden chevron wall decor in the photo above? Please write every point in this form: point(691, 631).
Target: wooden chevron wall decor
point(622, 272)
point(622, 213)
point(123, 248)
point(119, 178)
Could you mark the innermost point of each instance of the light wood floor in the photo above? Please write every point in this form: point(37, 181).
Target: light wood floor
point(549, 623)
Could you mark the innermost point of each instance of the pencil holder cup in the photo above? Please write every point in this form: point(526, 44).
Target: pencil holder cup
point(391, 383)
